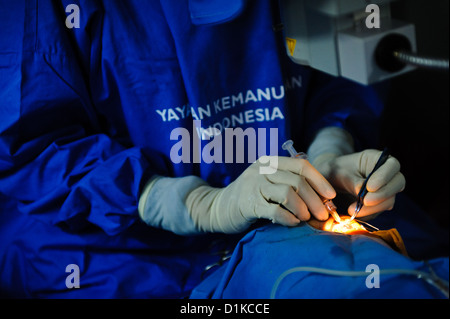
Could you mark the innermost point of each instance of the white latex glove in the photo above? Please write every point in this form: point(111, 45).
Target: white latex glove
point(254, 195)
point(348, 172)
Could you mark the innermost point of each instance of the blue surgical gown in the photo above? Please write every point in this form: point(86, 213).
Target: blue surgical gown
point(85, 120)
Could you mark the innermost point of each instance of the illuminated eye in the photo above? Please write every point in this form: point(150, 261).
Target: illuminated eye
point(346, 226)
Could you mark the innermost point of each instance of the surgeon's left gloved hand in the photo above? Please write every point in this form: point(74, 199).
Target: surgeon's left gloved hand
point(348, 172)
point(333, 155)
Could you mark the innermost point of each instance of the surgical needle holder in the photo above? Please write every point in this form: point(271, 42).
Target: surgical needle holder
point(329, 205)
point(363, 191)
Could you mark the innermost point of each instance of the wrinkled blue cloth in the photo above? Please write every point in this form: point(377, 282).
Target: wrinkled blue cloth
point(266, 253)
point(217, 11)
point(137, 263)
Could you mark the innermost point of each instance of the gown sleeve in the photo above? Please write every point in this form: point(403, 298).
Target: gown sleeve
point(59, 160)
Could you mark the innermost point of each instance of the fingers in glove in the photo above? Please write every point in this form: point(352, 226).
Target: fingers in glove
point(304, 168)
point(384, 174)
point(395, 185)
point(285, 195)
point(276, 214)
point(367, 210)
point(304, 190)
point(313, 201)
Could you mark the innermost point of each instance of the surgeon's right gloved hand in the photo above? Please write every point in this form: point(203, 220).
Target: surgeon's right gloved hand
point(287, 196)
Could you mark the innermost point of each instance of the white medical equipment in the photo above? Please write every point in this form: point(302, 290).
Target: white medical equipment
point(355, 39)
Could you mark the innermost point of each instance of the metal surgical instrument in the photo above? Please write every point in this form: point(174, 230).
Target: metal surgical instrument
point(329, 205)
point(363, 191)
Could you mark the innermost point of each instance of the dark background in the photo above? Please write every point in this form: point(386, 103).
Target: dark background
point(415, 124)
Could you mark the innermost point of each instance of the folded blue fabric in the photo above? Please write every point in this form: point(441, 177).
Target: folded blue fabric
point(214, 11)
point(258, 266)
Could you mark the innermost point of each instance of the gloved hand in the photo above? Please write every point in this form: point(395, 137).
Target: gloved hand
point(253, 195)
point(348, 172)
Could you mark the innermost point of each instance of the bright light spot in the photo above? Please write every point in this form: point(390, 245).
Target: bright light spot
point(345, 226)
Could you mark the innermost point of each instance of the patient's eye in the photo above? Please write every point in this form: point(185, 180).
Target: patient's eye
point(345, 226)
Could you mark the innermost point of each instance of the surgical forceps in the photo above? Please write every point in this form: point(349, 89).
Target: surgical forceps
point(363, 191)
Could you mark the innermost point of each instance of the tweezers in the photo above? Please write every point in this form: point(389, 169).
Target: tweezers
point(363, 191)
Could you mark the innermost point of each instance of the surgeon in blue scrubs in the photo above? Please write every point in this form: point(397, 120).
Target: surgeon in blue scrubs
point(90, 118)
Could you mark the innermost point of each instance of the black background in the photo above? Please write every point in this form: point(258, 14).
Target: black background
point(415, 123)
